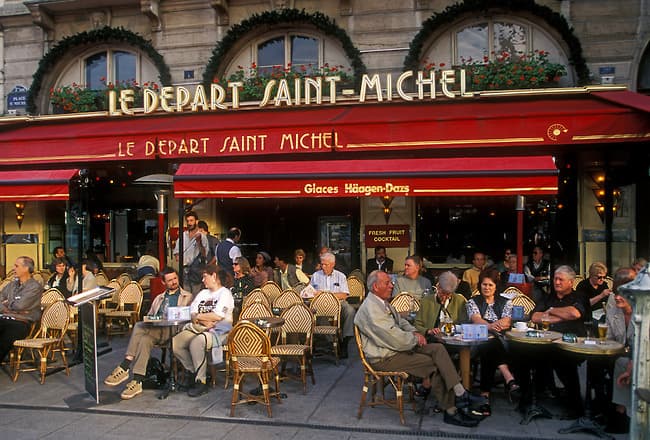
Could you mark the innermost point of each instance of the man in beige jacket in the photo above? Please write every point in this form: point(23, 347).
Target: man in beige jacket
point(390, 343)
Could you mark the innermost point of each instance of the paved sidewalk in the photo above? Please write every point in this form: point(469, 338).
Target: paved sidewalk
point(29, 410)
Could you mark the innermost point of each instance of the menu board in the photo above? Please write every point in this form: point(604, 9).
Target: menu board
point(89, 345)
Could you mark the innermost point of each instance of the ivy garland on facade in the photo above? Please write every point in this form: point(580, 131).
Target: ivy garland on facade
point(102, 35)
point(458, 10)
point(270, 19)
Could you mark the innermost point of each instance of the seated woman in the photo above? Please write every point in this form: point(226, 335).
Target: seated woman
point(621, 329)
point(412, 281)
point(243, 283)
point(263, 270)
point(496, 311)
point(595, 288)
point(59, 279)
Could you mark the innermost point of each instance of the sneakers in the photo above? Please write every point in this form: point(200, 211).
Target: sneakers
point(469, 400)
point(460, 419)
point(198, 389)
point(118, 376)
point(132, 389)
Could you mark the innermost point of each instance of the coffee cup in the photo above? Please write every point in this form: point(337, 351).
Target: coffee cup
point(521, 326)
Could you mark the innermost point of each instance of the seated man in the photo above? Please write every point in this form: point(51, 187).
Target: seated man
point(327, 279)
point(20, 305)
point(390, 343)
point(471, 274)
point(565, 310)
point(144, 337)
point(445, 303)
point(211, 321)
point(287, 275)
point(59, 253)
point(380, 262)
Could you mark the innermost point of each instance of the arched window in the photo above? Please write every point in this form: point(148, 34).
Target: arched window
point(475, 38)
point(111, 66)
point(289, 50)
point(643, 81)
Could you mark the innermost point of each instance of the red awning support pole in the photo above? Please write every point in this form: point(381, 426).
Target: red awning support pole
point(162, 210)
point(519, 207)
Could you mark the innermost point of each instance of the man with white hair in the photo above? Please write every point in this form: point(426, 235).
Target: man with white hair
point(445, 303)
point(328, 279)
point(390, 343)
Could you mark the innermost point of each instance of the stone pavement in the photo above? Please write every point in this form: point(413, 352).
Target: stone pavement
point(29, 410)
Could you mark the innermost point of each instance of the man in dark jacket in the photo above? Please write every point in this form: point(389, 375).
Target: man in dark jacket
point(380, 262)
point(287, 275)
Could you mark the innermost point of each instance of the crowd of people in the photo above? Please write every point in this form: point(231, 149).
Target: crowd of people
point(390, 342)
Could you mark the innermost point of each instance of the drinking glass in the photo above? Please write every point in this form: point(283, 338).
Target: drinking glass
point(602, 331)
point(589, 328)
point(546, 323)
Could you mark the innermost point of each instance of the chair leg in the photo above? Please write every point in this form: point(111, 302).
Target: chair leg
point(364, 392)
point(264, 379)
point(16, 366)
point(235, 392)
point(336, 350)
point(400, 399)
point(303, 373)
point(227, 362)
point(43, 366)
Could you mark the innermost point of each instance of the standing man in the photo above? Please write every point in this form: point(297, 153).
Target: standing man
point(327, 279)
point(144, 337)
point(227, 250)
point(471, 275)
point(210, 258)
point(380, 262)
point(538, 271)
point(287, 275)
point(195, 250)
point(20, 305)
point(390, 343)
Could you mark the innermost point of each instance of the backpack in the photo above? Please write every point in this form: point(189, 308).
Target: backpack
point(156, 376)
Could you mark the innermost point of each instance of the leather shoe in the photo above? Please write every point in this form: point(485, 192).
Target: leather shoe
point(460, 419)
point(198, 389)
point(469, 399)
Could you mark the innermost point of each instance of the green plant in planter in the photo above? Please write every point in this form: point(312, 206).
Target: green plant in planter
point(508, 71)
point(255, 79)
point(76, 98)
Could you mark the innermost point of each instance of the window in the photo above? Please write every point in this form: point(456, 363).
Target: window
point(489, 37)
point(293, 50)
point(110, 66)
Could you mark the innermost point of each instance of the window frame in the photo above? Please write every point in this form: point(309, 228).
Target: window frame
point(110, 70)
point(287, 46)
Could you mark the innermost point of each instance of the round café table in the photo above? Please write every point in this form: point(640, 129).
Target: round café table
point(464, 347)
point(591, 350)
point(526, 343)
point(173, 325)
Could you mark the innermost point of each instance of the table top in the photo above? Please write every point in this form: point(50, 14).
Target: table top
point(164, 322)
point(268, 322)
point(542, 338)
point(457, 340)
point(599, 348)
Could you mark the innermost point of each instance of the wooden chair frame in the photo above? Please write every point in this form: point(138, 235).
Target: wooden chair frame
point(327, 306)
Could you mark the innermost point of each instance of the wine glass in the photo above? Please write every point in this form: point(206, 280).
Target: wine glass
point(589, 328)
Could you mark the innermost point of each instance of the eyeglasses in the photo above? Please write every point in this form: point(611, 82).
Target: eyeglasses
point(601, 277)
point(235, 264)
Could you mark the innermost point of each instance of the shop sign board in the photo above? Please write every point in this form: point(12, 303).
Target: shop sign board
point(389, 236)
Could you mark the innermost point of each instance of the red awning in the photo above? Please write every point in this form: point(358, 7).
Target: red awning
point(626, 98)
point(489, 176)
point(485, 126)
point(22, 186)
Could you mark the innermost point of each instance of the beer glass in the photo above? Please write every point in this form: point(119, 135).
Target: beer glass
point(546, 323)
point(602, 331)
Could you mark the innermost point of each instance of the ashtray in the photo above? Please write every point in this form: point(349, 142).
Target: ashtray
point(534, 334)
point(154, 318)
point(262, 322)
point(569, 337)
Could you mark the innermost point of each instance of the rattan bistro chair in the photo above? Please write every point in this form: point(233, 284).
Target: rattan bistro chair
point(525, 302)
point(272, 290)
point(357, 291)
point(327, 308)
point(255, 295)
point(128, 309)
point(54, 323)
point(287, 299)
point(250, 353)
point(373, 378)
point(298, 323)
point(405, 302)
point(50, 296)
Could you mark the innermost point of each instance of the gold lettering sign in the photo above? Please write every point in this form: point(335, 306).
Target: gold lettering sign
point(305, 91)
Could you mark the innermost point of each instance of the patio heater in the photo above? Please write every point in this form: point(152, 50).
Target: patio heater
point(638, 294)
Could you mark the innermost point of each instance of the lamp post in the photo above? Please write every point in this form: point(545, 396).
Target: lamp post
point(638, 294)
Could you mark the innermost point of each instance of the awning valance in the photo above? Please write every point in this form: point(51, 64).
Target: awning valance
point(489, 176)
point(34, 185)
point(519, 125)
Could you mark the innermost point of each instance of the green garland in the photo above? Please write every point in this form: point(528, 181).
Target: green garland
point(105, 34)
point(274, 18)
point(456, 11)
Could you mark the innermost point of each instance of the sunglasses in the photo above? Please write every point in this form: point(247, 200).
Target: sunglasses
point(601, 277)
